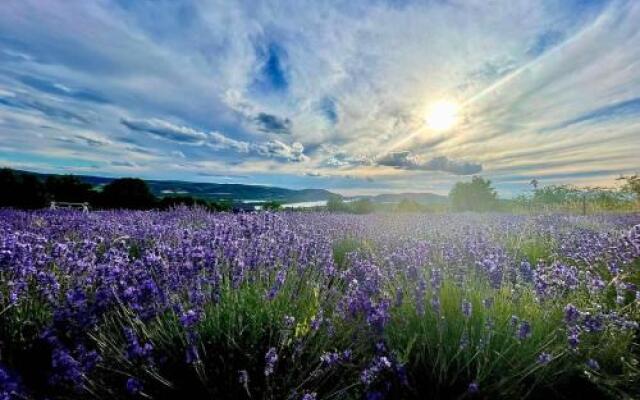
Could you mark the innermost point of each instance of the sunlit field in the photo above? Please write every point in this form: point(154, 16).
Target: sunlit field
point(125, 304)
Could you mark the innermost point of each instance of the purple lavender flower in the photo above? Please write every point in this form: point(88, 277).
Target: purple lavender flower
point(573, 337)
point(243, 378)
point(289, 321)
point(378, 314)
point(189, 319)
point(329, 359)
point(473, 388)
point(593, 364)
point(9, 385)
point(133, 386)
point(595, 284)
point(83, 268)
point(371, 373)
point(571, 314)
point(136, 351)
point(191, 354)
point(316, 320)
point(544, 358)
point(524, 330)
point(270, 360)
point(309, 396)
point(375, 395)
point(593, 323)
point(66, 368)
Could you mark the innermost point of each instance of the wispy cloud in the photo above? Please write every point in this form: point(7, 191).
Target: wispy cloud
point(546, 87)
point(216, 140)
point(622, 109)
point(166, 130)
point(59, 89)
point(405, 160)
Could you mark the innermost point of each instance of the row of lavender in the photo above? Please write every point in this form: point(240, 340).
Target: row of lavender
point(314, 305)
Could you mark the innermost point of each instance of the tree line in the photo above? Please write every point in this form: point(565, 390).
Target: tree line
point(480, 196)
point(28, 191)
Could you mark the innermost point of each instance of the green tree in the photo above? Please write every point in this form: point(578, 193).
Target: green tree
point(477, 195)
point(556, 194)
point(128, 193)
point(335, 203)
point(222, 205)
point(362, 206)
point(632, 184)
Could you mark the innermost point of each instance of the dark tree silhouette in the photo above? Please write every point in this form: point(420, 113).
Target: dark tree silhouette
point(19, 190)
point(69, 188)
point(131, 193)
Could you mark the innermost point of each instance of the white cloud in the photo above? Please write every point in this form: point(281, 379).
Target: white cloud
point(380, 64)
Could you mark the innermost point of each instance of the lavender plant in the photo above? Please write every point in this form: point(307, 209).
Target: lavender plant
point(266, 305)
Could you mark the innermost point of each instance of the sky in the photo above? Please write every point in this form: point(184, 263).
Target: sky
point(323, 94)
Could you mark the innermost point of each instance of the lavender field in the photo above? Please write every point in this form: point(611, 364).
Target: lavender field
point(307, 306)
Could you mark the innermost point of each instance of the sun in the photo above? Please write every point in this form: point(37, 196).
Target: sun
point(442, 115)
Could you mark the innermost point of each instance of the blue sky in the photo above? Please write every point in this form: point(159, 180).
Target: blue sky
point(323, 94)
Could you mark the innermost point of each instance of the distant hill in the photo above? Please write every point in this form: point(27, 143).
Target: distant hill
point(257, 193)
point(422, 198)
point(216, 191)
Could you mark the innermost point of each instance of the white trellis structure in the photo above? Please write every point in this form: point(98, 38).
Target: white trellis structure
point(56, 205)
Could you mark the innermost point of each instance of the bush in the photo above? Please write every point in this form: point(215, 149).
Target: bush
point(477, 195)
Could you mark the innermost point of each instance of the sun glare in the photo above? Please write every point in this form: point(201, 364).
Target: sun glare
point(442, 115)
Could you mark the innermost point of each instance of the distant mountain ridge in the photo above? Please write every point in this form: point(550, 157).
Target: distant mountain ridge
point(246, 193)
point(214, 191)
